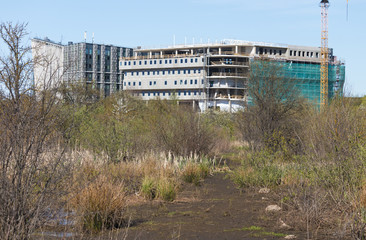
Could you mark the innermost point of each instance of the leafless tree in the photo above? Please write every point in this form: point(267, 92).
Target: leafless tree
point(181, 131)
point(30, 155)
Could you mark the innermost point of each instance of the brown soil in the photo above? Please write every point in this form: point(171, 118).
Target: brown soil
point(214, 210)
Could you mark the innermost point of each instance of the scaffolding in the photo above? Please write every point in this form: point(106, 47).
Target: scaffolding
point(307, 77)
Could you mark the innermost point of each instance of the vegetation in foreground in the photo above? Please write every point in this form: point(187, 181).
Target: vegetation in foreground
point(93, 158)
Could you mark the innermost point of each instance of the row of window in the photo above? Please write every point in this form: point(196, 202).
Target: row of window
point(107, 51)
point(166, 61)
point(181, 82)
point(303, 53)
point(163, 72)
point(270, 51)
point(179, 93)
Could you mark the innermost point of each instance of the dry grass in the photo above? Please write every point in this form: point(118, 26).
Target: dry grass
point(362, 201)
point(100, 205)
point(100, 192)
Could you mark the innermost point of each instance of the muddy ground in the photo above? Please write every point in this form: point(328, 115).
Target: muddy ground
point(216, 209)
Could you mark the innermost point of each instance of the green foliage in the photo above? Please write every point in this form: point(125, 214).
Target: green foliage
point(258, 169)
point(113, 126)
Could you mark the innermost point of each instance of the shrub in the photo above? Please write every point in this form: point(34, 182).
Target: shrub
point(180, 130)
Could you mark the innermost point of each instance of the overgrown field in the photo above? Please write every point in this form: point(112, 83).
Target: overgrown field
point(69, 157)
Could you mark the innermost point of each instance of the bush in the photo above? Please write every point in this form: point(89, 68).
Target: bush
point(179, 130)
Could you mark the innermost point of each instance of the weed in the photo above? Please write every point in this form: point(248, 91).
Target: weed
point(171, 214)
point(204, 169)
point(269, 175)
point(148, 188)
point(270, 234)
point(251, 228)
point(195, 172)
point(191, 174)
point(166, 190)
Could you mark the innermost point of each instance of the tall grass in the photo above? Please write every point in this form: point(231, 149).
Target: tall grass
point(100, 205)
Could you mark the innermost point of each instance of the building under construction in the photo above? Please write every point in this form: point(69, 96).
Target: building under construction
point(216, 75)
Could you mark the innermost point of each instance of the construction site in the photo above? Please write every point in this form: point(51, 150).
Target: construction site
point(216, 75)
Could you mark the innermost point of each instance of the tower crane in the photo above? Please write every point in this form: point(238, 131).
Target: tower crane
point(324, 59)
point(324, 54)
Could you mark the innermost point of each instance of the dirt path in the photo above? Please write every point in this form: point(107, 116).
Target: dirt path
point(215, 210)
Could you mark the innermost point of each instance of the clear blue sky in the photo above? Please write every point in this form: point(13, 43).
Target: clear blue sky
point(153, 23)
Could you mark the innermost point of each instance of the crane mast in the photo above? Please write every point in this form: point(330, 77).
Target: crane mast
point(324, 4)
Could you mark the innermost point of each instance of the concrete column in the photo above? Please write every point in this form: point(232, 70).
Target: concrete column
point(219, 51)
point(194, 105)
point(161, 54)
point(95, 54)
point(230, 106)
point(176, 53)
point(236, 49)
point(150, 54)
point(253, 51)
point(191, 51)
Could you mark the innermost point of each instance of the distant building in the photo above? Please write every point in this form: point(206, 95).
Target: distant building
point(216, 75)
point(96, 64)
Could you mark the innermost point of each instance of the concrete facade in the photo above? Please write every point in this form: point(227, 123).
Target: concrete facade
point(204, 75)
point(48, 61)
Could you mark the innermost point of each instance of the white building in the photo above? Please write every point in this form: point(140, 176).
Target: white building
point(204, 75)
point(48, 61)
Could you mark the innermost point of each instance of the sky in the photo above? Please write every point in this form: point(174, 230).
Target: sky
point(155, 23)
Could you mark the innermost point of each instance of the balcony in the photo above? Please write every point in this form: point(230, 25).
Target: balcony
point(228, 63)
point(227, 74)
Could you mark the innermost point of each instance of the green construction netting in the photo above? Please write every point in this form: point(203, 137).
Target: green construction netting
point(307, 77)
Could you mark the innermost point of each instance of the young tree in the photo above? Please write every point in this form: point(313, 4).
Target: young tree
point(273, 101)
point(29, 153)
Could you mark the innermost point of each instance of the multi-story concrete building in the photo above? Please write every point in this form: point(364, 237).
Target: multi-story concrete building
point(216, 75)
point(96, 64)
